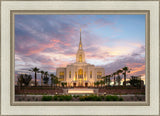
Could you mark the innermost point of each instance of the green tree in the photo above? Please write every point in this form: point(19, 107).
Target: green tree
point(104, 79)
point(125, 71)
point(65, 84)
point(54, 80)
point(98, 83)
point(135, 81)
point(95, 84)
point(26, 79)
point(62, 84)
point(35, 70)
point(108, 77)
point(101, 82)
point(46, 78)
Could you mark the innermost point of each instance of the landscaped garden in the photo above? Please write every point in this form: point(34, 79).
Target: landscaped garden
point(57, 90)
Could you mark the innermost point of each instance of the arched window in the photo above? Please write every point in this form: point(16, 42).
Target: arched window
point(69, 74)
point(99, 75)
point(61, 74)
point(80, 58)
point(90, 74)
point(80, 73)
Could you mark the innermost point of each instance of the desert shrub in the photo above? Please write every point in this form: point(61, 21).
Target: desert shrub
point(82, 98)
point(46, 98)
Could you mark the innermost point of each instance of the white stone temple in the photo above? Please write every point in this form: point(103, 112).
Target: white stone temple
point(80, 73)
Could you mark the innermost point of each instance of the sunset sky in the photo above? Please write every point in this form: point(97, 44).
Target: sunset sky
point(51, 41)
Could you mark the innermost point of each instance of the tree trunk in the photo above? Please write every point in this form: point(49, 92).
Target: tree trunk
point(35, 79)
point(41, 80)
point(114, 81)
point(125, 79)
point(119, 80)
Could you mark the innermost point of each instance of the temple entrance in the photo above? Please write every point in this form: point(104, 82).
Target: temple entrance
point(80, 83)
point(86, 84)
point(74, 84)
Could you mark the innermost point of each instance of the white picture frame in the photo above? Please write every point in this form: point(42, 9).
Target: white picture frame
point(8, 109)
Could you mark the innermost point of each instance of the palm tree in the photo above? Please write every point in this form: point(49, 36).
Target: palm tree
point(42, 73)
point(101, 82)
point(114, 75)
point(36, 70)
point(95, 83)
point(52, 79)
point(118, 77)
point(98, 83)
point(125, 71)
point(136, 81)
point(46, 78)
point(109, 79)
point(104, 79)
point(26, 79)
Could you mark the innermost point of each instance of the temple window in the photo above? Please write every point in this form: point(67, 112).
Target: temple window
point(80, 73)
point(90, 74)
point(61, 74)
point(69, 74)
point(80, 58)
point(99, 75)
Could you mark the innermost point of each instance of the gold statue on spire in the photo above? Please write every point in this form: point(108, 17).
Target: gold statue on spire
point(80, 29)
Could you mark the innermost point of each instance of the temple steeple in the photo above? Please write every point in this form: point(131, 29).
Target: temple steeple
point(80, 56)
point(80, 42)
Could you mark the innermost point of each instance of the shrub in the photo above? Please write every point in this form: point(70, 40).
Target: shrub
point(76, 96)
point(46, 98)
point(82, 98)
point(61, 98)
point(90, 98)
point(55, 98)
point(113, 98)
point(67, 97)
point(99, 99)
point(120, 99)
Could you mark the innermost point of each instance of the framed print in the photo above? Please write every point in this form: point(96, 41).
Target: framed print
point(80, 58)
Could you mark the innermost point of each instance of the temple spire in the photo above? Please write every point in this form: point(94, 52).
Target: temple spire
point(80, 43)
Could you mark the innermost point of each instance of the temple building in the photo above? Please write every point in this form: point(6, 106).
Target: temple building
point(80, 73)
